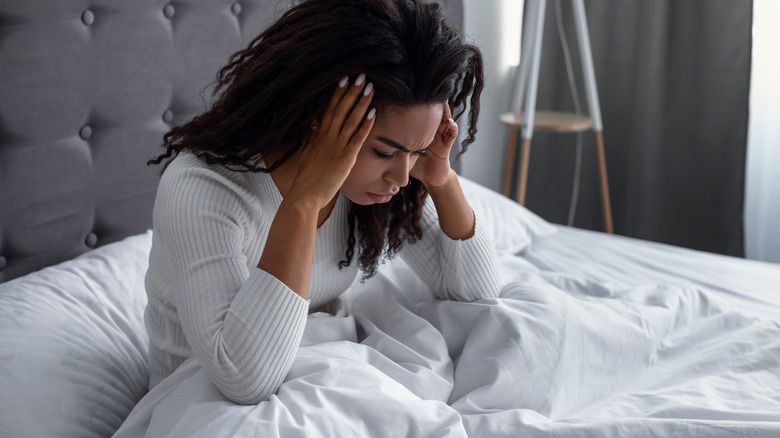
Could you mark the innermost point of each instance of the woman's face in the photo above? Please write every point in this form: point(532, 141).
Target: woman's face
point(399, 136)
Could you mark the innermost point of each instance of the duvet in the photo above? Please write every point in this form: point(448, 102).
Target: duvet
point(553, 356)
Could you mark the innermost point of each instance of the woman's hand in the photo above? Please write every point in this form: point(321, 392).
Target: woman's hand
point(328, 156)
point(455, 215)
point(325, 161)
point(433, 169)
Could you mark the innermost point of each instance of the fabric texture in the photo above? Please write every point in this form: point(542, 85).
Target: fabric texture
point(556, 355)
point(73, 344)
point(513, 228)
point(208, 299)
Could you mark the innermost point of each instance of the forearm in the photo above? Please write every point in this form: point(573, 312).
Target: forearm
point(455, 215)
point(463, 270)
point(289, 248)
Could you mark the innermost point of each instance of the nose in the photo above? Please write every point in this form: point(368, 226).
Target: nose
point(398, 170)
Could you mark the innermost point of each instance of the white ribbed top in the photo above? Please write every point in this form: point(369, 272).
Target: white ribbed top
point(208, 299)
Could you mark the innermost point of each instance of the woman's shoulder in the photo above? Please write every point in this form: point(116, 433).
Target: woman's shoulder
point(190, 178)
point(188, 165)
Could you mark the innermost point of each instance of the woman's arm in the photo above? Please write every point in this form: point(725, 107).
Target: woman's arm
point(289, 250)
point(323, 166)
point(455, 215)
point(462, 270)
point(455, 257)
point(241, 323)
point(441, 182)
point(245, 325)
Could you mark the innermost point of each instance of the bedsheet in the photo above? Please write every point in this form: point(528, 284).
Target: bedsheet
point(751, 285)
point(555, 356)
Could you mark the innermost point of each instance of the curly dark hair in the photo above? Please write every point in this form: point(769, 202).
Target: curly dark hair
point(269, 93)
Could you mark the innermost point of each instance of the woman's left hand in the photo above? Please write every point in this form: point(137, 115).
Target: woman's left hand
point(433, 169)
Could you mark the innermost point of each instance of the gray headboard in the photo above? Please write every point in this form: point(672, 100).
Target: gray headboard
point(87, 89)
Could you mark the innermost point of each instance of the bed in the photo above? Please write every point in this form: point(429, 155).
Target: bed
point(594, 335)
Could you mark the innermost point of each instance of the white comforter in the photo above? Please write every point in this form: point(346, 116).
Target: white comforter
point(554, 356)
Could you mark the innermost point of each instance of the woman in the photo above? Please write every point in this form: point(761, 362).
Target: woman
point(325, 153)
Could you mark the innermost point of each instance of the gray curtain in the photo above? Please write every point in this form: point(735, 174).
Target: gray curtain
point(673, 79)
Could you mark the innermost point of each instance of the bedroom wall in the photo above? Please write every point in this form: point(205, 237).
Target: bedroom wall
point(494, 26)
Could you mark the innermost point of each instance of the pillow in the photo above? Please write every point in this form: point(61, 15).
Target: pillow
point(512, 227)
point(73, 344)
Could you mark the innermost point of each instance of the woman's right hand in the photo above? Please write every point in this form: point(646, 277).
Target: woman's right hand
point(327, 158)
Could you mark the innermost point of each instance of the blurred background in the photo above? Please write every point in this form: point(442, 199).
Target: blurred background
point(689, 99)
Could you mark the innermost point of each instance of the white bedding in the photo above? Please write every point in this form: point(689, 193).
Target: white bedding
point(558, 357)
point(589, 338)
point(73, 344)
point(751, 285)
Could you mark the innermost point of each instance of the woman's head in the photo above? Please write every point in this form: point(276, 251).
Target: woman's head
point(271, 93)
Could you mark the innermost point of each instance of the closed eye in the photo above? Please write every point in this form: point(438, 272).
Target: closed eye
point(382, 156)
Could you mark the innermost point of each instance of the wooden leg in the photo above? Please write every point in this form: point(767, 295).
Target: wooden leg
point(510, 160)
point(607, 210)
point(521, 181)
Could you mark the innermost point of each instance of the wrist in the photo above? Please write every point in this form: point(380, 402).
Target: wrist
point(308, 200)
point(305, 209)
point(433, 189)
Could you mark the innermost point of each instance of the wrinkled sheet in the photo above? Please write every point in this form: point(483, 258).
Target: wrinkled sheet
point(554, 356)
point(751, 285)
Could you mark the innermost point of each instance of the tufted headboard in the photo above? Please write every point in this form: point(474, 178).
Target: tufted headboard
point(87, 89)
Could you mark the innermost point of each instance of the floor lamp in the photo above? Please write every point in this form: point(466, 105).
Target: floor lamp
point(527, 120)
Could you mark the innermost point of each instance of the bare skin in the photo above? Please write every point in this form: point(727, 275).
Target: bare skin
point(368, 158)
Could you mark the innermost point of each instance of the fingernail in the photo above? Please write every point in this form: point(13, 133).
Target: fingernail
point(371, 114)
point(368, 89)
point(361, 77)
point(451, 121)
point(343, 81)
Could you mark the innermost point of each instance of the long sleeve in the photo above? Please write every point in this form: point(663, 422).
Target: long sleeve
point(243, 325)
point(463, 270)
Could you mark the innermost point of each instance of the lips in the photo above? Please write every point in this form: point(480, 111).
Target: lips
point(380, 198)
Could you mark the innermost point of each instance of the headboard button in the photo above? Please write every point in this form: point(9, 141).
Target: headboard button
point(169, 10)
point(88, 17)
point(91, 240)
point(85, 132)
point(236, 8)
point(167, 116)
point(3, 263)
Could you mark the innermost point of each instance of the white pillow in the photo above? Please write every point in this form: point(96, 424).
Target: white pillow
point(73, 344)
point(513, 227)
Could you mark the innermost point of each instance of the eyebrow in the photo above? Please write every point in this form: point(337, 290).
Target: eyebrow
point(399, 146)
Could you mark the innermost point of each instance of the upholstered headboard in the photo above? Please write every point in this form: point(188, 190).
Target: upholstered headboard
point(87, 89)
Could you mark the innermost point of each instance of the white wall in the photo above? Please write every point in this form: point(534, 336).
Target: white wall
point(494, 26)
point(762, 184)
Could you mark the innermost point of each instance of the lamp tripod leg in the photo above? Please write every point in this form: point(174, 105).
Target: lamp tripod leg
point(521, 181)
point(605, 204)
point(510, 161)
